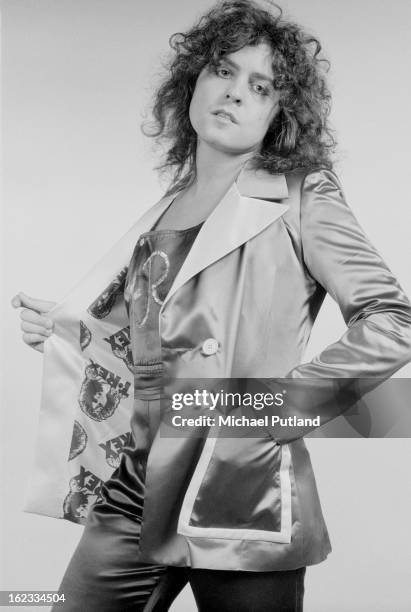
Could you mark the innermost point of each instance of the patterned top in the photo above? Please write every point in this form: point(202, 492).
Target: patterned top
point(156, 260)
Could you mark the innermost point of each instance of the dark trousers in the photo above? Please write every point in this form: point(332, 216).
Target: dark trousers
point(104, 576)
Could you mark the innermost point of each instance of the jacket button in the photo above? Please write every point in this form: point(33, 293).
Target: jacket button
point(210, 346)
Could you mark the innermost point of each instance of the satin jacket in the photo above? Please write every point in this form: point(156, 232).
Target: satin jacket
point(250, 288)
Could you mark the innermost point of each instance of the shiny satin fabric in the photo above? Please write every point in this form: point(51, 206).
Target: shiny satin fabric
point(260, 302)
point(278, 245)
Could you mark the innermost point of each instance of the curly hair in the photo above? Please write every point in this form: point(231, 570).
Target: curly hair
point(299, 135)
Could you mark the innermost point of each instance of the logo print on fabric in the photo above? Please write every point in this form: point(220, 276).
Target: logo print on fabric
point(154, 280)
point(78, 440)
point(114, 447)
point(103, 305)
point(101, 392)
point(120, 345)
point(85, 336)
point(84, 491)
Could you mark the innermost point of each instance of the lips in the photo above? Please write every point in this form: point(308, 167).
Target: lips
point(224, 113)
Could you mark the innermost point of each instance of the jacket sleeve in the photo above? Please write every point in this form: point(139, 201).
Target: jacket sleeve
point(377, 342)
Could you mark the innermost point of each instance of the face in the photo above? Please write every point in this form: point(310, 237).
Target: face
point(99, 400)
point(82, 511)
point(241, 85)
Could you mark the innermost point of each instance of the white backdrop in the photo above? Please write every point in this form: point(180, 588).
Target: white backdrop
point(77, 77)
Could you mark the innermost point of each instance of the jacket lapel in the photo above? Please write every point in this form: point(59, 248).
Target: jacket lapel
point(240, 215)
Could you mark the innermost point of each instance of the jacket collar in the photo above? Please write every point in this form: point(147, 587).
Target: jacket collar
point(242, 213)
point(261, 184)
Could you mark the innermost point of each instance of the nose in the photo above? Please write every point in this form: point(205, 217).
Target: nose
point(234, 97)
point(233, 92)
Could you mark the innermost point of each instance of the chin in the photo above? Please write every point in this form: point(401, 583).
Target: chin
point(217, 139)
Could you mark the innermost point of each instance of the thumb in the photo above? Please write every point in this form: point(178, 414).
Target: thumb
point(24, 300)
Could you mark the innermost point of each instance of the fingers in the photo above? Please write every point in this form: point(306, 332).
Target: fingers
point(40, 306)
point(36, 341)
point(32, 328)
point(30, 316)
point(35, 325)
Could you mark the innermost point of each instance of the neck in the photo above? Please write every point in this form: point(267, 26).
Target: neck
point(216, 170)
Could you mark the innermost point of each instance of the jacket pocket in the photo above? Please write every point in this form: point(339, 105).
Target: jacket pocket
point(241, 490)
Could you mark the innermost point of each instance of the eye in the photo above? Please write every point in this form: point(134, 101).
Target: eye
point(261, 90)
point(221, 70)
